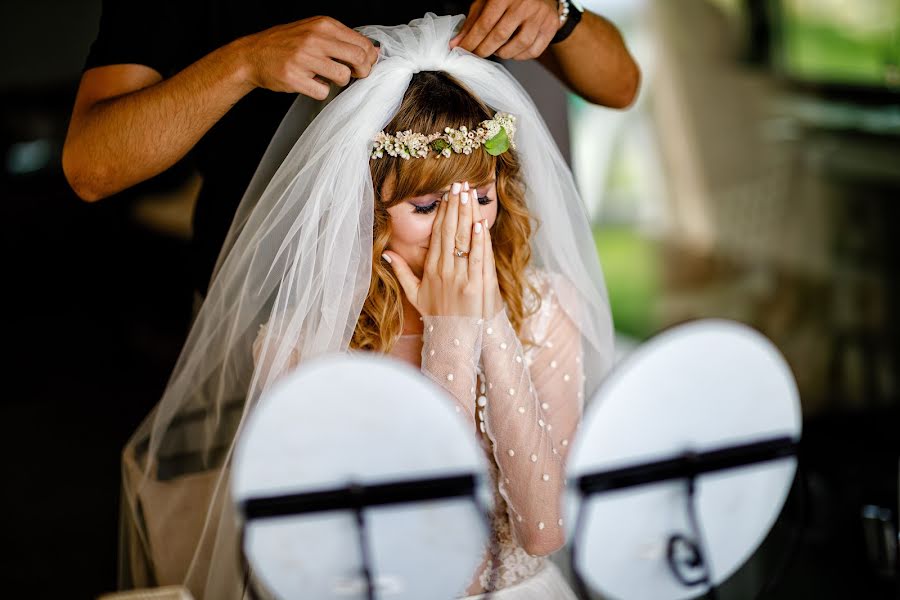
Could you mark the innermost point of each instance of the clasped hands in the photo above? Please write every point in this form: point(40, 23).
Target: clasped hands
point(459, 277)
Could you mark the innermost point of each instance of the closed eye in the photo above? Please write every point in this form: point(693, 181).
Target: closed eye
point(426, 209)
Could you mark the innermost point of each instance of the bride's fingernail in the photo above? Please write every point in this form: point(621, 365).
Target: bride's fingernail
point(445, 196)
point(456, 187)
point(464, 198)
point(478, 227)
point(466, 186)
point(386, 258)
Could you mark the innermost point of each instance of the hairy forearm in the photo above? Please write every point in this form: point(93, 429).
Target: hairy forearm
point(120, 141)
point(594, 63)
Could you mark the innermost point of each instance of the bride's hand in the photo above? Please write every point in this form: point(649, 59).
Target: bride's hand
point(493, 301)
point(450, 285)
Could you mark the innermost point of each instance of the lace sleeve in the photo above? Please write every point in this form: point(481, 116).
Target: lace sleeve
point(451, 348)
point(533, 407)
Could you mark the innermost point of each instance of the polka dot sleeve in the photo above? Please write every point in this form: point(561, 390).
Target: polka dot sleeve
point(451, 348)
point(533, 405)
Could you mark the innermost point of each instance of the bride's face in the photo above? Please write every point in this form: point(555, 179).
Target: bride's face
point(412, 219)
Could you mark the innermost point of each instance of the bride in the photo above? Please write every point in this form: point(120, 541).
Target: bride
point(424, 214)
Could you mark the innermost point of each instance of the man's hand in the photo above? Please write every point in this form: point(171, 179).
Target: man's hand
point(303, 56)
point(511, 29)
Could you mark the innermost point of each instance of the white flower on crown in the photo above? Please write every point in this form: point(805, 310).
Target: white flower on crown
point(407, 144)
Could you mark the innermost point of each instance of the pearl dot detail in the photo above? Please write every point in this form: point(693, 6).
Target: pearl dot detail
point(503, 346)
point(521, 410)
point(490, 331)
point(455, 342)
point(566, 377)
point(511, 452)
point(481, 426)
point(519, 518)
point(544, 405)
point(565, 442)
point(545, 477)
point(449, 376)
point(541, 525)
point(552, 364)
point(518, 359)
point(512, 391)
point(534, 458)
point(559, 522)
point(431, 353)
point(431, 328)
point(541, 422)
point(482, 400)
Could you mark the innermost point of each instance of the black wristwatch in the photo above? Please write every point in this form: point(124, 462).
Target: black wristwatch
point(574, 10)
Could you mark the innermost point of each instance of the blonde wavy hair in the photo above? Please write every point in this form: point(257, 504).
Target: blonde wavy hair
point(435, 100)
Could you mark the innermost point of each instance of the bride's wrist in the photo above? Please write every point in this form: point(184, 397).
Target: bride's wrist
point(456, 335)
point(498, 333)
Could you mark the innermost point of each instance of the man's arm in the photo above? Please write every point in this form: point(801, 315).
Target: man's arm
point(128, 124)
point(594, 63)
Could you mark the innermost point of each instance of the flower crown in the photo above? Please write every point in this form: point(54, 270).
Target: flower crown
point(496, 135)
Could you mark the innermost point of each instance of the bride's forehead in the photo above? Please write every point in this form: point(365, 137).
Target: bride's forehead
point(390, 184)
point(472, 183)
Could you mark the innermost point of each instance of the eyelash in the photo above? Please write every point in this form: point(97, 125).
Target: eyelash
point(424, 210)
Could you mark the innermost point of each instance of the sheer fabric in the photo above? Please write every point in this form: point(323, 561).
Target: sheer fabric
point(298, 258)
point(524, 401)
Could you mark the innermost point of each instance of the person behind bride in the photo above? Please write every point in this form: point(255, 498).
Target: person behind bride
point(169, 81)
point(425, 214)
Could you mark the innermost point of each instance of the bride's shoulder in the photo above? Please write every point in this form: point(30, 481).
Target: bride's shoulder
point(539, 279)
point(547, 291)
point(546, 285)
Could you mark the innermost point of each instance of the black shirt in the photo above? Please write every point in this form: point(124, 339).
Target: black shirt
point(168, 36)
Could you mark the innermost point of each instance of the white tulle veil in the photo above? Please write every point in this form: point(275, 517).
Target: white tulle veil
point(298, 257)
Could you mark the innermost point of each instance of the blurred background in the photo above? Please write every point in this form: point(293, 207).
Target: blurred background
point(756, 178)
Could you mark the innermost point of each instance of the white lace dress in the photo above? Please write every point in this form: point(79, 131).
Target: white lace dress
point(525, 402)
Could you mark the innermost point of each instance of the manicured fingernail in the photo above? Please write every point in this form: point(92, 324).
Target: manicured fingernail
point(386, 257)
point(456, 187)
point(474, 194)
point(445, 196)
point(478, 227)
point(464, 198)
point(465, 186)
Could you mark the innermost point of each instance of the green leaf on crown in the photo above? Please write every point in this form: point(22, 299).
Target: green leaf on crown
point(498, 144)
point(439, 144)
